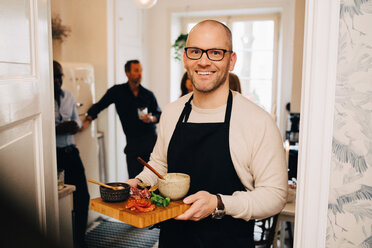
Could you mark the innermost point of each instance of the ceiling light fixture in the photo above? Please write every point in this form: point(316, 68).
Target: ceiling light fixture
point(145, 4)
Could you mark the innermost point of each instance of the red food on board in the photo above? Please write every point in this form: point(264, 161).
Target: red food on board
point(130, 203)
point(138, 204)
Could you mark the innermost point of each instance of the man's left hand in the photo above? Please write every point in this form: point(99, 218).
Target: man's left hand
point(203, 204)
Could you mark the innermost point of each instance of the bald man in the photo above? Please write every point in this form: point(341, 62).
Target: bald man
point(231, 148)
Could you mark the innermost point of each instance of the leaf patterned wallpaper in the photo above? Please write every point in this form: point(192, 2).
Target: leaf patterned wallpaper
point(350, 198)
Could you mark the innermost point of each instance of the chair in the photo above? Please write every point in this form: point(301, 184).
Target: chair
point(264, 231)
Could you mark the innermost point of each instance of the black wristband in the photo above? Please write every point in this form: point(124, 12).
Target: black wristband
point(220, 204)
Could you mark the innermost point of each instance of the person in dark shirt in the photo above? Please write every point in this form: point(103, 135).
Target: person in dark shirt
point(138, 111)
point(67, 124)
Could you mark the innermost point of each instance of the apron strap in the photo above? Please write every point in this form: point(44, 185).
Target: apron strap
point(228, 108)
point(186, 111)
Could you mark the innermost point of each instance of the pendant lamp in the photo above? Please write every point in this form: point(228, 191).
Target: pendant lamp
point(145, 4)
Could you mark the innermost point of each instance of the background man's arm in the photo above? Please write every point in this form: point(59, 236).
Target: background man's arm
point(96, 108)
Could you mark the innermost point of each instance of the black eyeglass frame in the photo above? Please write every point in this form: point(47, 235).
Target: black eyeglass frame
point(206, 52)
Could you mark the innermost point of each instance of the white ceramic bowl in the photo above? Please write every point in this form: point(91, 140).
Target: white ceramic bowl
point(175, 186)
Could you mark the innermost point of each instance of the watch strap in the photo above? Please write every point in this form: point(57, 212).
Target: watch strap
point(219, 212)
point(220, 205)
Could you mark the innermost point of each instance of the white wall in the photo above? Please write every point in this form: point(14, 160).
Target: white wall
point(297, 56)
point(158, 42)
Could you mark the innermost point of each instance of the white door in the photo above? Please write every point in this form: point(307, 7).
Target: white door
point(27, 136)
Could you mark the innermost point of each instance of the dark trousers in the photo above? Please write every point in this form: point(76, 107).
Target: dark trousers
point(135, 167)
point(138, 147)
point(206, 234)
point(68, 159)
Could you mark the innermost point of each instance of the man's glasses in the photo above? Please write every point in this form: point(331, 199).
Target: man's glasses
point(213, 54)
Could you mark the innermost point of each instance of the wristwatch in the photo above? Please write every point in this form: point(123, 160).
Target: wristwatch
point(219, 212)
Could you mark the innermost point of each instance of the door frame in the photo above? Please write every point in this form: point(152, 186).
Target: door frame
point(316, 129)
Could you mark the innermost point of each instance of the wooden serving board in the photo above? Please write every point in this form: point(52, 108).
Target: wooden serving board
point(118, 211)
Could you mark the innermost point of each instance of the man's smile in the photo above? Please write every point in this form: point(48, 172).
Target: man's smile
point(205, 72)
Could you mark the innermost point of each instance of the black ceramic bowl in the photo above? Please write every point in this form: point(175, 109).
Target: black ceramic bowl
point(110, 195)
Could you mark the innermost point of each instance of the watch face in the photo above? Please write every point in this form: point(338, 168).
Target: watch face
point(218, 214)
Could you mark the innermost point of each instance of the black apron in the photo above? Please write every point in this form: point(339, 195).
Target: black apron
point(202, 150)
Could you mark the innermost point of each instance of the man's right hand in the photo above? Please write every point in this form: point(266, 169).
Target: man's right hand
point(133, 182)
point(67, 127)
point(86, 123)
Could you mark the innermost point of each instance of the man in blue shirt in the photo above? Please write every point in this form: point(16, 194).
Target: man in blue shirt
point(67, 124)
point(139, 128)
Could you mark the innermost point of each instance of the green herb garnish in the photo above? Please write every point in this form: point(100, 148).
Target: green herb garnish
point(158, 200)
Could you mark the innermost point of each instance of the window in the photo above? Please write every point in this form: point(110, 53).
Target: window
point(255, 41)
point(254, 45)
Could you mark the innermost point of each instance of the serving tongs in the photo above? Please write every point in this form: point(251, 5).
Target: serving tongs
point(149, 166)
